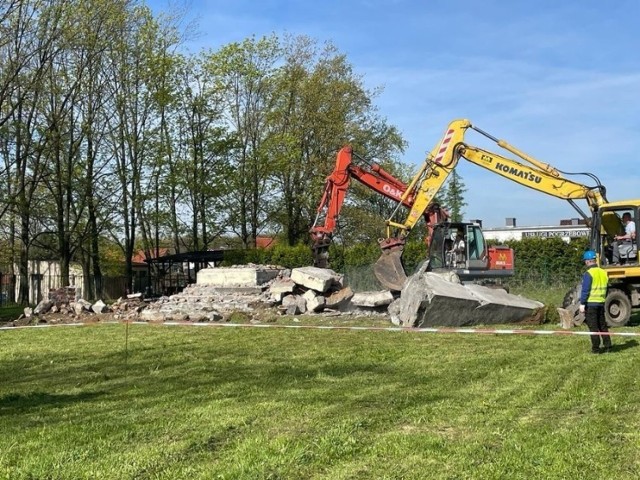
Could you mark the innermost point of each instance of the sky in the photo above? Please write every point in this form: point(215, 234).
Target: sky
point(558, 80)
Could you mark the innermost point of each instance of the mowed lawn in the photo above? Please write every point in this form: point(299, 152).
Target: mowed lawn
point(157, 402)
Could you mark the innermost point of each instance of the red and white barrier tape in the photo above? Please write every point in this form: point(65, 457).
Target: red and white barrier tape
point(483, 331)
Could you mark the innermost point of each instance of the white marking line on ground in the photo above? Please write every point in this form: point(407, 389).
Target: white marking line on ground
point(482, 331)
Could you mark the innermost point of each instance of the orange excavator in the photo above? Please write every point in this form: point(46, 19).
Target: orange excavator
point(372, 176)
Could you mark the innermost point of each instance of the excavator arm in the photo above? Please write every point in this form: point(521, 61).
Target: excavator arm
point(540, 177)
point(443, 160)
point(336, 186)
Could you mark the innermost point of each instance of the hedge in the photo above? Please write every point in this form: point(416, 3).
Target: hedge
point(549, 261)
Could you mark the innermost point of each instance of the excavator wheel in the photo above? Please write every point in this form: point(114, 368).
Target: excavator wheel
point(389, 270)
point(617, 308)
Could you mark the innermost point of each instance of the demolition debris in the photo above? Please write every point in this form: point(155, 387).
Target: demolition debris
point(427, 299)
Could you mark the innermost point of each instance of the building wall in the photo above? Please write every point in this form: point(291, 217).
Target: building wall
point(45, 275)
point(566, 232)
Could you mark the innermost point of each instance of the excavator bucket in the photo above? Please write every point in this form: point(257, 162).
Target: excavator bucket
point(389, 270)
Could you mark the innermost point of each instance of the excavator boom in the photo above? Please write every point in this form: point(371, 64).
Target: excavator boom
point(371, 175)
point(437, 167)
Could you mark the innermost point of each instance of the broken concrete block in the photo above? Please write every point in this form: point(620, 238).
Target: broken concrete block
point(318, 279)
point(151, 315)
point(283, 285)
point(404, 310)
point(427, 299)
point(294, 304)
point(236, 277)
point(99, 307)
point(309, 294)
point(85, 304)
point(281, 288)
point(277, 296)
point(372, 299)
point(80, 306)
point(315, 302)
point(339, 298)
point(43, 307)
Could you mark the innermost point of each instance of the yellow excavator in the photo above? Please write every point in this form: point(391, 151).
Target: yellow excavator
point(604, 218)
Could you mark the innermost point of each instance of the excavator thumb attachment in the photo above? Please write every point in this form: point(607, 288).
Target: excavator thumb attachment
point(320, 249)
point(389, 269)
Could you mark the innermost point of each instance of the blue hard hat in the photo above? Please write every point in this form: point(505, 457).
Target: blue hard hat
point(589, 255)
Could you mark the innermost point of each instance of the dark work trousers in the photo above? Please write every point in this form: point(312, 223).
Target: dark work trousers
point(594, 316)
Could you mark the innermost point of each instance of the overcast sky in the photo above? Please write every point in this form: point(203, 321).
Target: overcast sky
point(558, 80)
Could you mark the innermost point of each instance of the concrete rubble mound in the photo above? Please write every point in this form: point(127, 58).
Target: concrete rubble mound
point(220, 292)
point(429, 299)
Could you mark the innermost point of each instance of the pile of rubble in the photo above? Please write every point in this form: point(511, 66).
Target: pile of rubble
point(426, 300)
point(220, 292)
point(64, 305)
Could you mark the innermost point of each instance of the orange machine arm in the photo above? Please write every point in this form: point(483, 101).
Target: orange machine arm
point(335, 190)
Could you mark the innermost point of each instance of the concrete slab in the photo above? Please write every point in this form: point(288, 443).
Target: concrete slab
point(428, 299)
point(284, 285)
point(339, 298)
point(239, 290)
point(235, 277)
point(318, 279)
point(372, 299)
point(294, 304)
point(315, 302)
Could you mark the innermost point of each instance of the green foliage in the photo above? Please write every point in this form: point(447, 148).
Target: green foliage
point(415, 252)
point(454, 197)
point(361, 254)
point(548, 260)
point(299, 255)
point(244, 257)
point(283, 255)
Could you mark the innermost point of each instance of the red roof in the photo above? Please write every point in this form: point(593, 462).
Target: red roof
point(139, 256)
point(265, 242)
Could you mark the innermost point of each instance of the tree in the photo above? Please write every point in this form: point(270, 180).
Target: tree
point(320, 106)
point(202, 172)
point(453, 197)
point(131, 122)
point(245, 73)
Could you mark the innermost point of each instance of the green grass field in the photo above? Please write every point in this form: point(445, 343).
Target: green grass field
point(153, 402)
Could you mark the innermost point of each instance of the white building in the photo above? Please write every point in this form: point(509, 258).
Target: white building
point(568, 229)
point(45, 275)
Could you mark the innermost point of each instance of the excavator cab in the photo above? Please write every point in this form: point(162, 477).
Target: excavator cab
point(455, 247)
point(613, 223)
point(458, 247)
